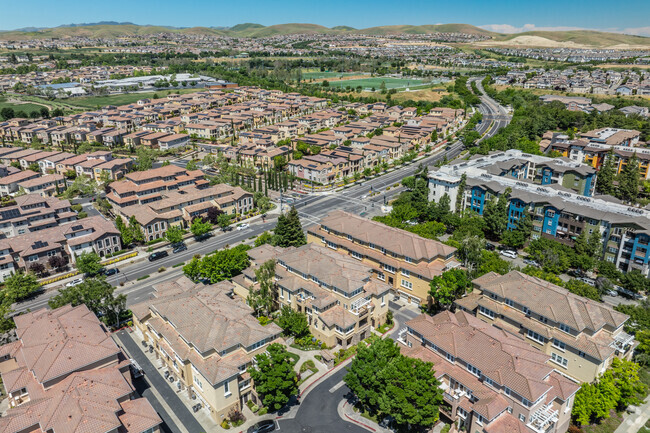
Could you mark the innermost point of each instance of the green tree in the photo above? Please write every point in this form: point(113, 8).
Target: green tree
point(191, 165)
point(261, 299)
point(144, 159)
point(223, 220)
point(496, 216)
point(606, 174)
point(411, 393)
point(99, 297)
point(470, 252)
point(274, 377)
point(583, 289)
point(363, 376)
point(448, 287)
point(288, 231)
point(89, 263)
point(517, 237)
point(200, 227)
point(635, 281)
point(19, 286)
point(292, 322)
point(628, 180)
point(174, 234)
point(193, 269)
point(264, 238)
point(225, 264)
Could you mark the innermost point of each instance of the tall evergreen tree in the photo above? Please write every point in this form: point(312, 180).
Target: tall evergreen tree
point(628, 181)
point(605, 181)
point(288, 231)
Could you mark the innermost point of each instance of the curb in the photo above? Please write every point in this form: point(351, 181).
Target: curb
point(357, 422)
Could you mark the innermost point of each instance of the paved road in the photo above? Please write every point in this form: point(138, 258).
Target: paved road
point(495, 116)
point(310, 207)
point(153, 379)
point(318, 410)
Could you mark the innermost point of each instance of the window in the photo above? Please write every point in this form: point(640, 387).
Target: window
point(406, 273)
point(559, 345)
point(522, 418)
point(407, 285)
point(475, 371)
point(525, 402)
point(226, 389)
point(389, 268)
point(451, 358)
point(509, 302)
point(526, 310)
point(565, 328)
point(582, 354)
point(535, 336)
point(196, 379)
point(489, 381)
point(356, 255)
point(331, 245)
point(506, 390)
point(559, 360)
point(408, 259)
point(462, 412)
point(381, 276)
point(479, 419)
point(382, 300)
point(486, 312)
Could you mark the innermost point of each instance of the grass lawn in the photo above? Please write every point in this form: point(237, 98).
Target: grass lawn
point(93, 102)
point(367, 83)
point(606, 426)
point(318, 75)
point(27, 108)
point(295, 358)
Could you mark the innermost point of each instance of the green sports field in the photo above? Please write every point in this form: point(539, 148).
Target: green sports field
point(318, 75)
point(369, 83)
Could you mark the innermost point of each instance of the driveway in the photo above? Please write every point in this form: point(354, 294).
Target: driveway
point(318, 412)
point(154, 380)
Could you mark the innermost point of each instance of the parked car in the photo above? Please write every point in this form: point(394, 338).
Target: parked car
point(243, 226)
point(157, 255)
point(611, 292)
point(262, 426)
point(136, 370)
point(490, 247)
point(179, 248)
point(509, 253)
point(588, 280)
point(75, 282)
point(530, 262)
point(203, 237)
point(226, 229)
point(111, 271)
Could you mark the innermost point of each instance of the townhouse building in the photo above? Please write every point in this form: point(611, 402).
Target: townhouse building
point(581, 336)
point(556, 212)
point(10, 184)
point(68, 240)
point(47, 185)
point(33, 212)
point(206, 338)
point(147, 186)
point(492, 380)
point(340, 296)
point(404, 260)
point(66, 374)
point(180, 207)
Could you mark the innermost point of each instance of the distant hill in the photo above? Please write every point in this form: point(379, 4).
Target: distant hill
point(110, 29)
point(583, 37)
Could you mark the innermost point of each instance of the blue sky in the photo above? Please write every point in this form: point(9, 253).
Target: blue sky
point(630, 16)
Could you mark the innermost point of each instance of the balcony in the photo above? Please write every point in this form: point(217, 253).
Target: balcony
point(543, 419)
point(622, 341)
point(360, 307)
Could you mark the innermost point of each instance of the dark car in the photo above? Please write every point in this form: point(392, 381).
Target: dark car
point(489, 246)
point(262, 427)
point(202, 237)
point(179, 248)
point(226, 229)
point(111, 271)
point(157, 255)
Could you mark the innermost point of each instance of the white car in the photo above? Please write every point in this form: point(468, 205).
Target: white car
point(509, 253)
point(75, 282)
point(243, 226)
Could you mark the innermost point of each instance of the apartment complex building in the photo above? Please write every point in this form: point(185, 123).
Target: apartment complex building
point(92, 234)
point(406, 261)
point(556, 211)
point(33, 212)
point(66, 374)
point(340, 296)
point(593, 147)
point(206, 338)
point(493, 381)
point(581, 336)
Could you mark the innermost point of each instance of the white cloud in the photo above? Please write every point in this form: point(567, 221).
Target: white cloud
point(508, 28)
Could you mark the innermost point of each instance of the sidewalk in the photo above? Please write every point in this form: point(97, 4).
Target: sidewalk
point(634, 421)
point(347, 412)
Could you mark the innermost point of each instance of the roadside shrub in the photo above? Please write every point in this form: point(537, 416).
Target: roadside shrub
point(161, 269)
point(263, 411)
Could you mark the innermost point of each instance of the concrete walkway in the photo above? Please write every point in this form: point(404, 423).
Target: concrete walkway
point(633, 422)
